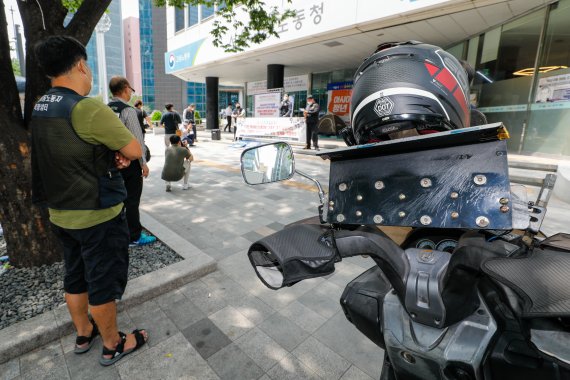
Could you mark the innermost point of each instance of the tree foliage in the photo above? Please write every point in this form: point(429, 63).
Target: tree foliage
point(230, 32)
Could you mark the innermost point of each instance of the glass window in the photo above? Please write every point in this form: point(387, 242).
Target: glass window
point(500, 90)
point(457, 50)
point(549, 123)
point(207, 12)
point(178, 19)
point(192, 15)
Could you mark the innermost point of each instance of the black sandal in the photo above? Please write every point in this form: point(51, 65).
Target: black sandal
point(119, 351)
point(81, 340)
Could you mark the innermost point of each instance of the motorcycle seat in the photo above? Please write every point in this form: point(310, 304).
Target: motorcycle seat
point(541, 279)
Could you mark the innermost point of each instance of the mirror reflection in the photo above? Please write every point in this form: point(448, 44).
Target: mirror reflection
point(267, 163)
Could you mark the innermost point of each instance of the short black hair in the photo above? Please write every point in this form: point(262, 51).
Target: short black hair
point(174, 139)
point(138, 103)
point(57, 54)
point(118, 84)
point(168, 106)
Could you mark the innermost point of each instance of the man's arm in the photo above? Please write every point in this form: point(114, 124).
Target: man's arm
point(132, 150)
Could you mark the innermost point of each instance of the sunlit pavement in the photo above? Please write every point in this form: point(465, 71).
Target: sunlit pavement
point(227, 324)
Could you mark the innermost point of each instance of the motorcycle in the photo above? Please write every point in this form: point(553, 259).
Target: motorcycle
point(473, 292)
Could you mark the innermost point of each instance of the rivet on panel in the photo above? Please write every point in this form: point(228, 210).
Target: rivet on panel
point(359, 197)
point(402, 197)
point(425, 220)
point(482, 221)
point(358, 213)
point(342, 187)
point(401, 214)
point(379, 185)
point(454, 215)
point(454, 195)
point(340, 218)
point(378, 219)
point(480, 179)
point(426, 182)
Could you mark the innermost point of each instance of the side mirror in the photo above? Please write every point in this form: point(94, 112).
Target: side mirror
point(267, 163)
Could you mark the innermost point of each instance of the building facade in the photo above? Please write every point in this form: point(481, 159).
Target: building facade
point(114, 49)
point(519, 49)
point(132, 43)
point(158, 88)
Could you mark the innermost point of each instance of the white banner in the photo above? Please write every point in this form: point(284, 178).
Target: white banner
point(279, 128)
point(267, 105)
point(290, 84)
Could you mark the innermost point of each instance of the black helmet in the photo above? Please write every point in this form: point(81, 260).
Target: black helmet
point(408, 85)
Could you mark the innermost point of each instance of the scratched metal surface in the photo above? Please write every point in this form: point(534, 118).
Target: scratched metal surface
point(403, 201)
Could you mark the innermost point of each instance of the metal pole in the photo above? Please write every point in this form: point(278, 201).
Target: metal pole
point(101, 69)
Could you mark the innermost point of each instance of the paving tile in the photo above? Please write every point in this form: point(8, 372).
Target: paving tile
point(10, 369)
point(112, 374)
point(283, 331)
point(261, 348)
point(200, 295)
point(306, 318)
point(275, 197)
point(149, 316)
point(54, 369)
point(331, 290)
point(354, 373)
point(321, 302)
point(345, 272)
point(206, 337)
point(342, 337)
point(173, 358)
point(85, 366)
point(276, 226)
point(253, 308)
point(232, 363)
point(253, 236)
point(180, 309)
point(322, 360)
point(290, 368)
point(37, 358)
point(231, 322)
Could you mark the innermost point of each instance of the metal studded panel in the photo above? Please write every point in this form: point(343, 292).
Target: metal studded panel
point(454, 187)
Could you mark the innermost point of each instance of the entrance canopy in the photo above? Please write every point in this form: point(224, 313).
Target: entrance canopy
point(444, 25)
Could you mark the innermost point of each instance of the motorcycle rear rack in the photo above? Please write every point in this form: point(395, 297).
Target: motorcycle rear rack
point(456, 179)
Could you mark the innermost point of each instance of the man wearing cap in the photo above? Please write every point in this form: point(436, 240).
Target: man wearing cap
point(311, 114)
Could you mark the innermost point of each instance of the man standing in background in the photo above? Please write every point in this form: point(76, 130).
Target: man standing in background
point(132, 175)
point(311, 114)
point(169, 120)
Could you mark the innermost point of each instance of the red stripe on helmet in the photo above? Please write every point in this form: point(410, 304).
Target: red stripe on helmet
point(432, 69)
point(445, 78)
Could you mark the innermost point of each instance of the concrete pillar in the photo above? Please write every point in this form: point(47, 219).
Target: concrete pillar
point(275, 75)
point(212, 112)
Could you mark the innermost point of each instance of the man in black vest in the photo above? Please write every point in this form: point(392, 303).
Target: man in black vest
point(78, 145)
point(132, 175)
point(311, 114)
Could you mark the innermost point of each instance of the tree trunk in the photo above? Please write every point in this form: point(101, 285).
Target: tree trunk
point(27, 229)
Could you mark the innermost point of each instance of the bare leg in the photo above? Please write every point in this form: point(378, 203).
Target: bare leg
point(106, 318)
point(77, 304)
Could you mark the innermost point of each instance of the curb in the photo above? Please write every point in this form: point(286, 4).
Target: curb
point(35, 332)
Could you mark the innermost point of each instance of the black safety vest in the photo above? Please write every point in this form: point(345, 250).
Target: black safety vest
point(68, 172)
point(118, 106)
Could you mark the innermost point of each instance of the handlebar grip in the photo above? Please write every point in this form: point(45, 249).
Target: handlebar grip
point(293, 254)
